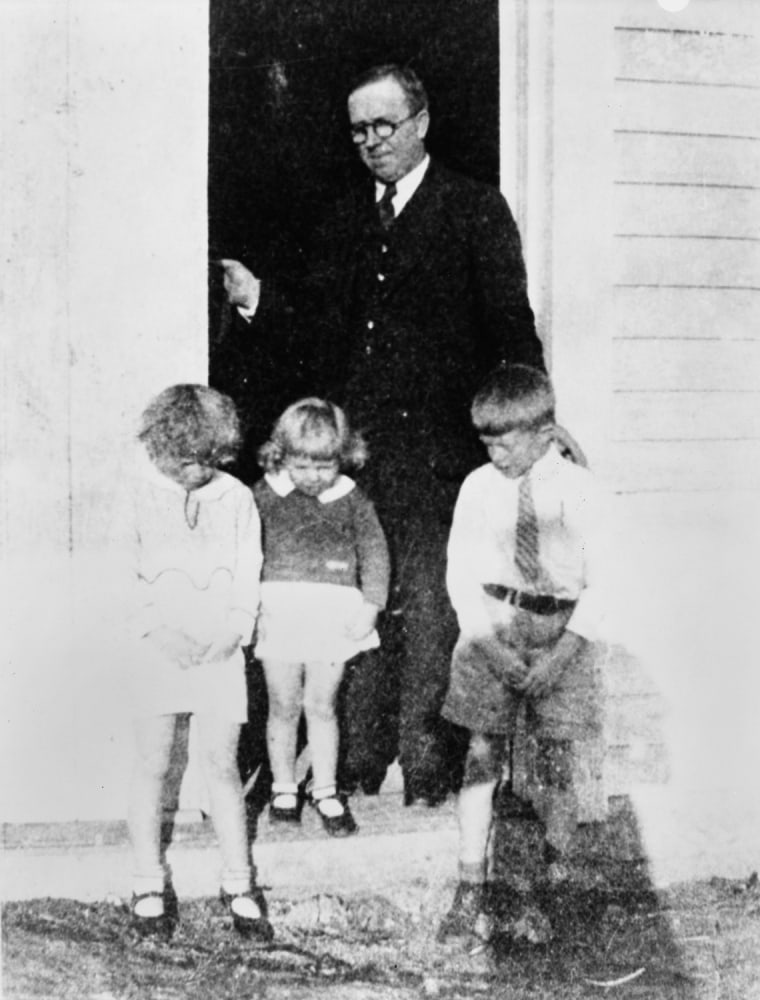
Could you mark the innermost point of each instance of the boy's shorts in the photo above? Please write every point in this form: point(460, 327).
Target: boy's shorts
point(481, 699)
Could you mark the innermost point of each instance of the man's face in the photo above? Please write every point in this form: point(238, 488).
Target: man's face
point(388, 160)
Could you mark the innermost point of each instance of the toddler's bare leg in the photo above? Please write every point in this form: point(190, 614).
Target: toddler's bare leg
point(321, 684)
point(285, 691)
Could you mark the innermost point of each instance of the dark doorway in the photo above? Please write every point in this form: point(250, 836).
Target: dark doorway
point(280, 69)
point(279, 151)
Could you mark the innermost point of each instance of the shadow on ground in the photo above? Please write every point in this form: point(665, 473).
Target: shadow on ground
point(608, 933)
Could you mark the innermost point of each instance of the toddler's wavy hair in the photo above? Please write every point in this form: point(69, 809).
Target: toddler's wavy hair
point(513, 397)
point(191, 423)
point(313, 428)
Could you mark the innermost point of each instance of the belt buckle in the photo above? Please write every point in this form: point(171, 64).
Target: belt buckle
point(514, 598)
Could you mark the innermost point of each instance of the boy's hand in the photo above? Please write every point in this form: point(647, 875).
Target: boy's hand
point(506, 662)
point(177, 645)
point(223, 647)
point(549, 665)
point(363, 622)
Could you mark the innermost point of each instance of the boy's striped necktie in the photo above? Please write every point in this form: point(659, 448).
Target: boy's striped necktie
point(526, 538)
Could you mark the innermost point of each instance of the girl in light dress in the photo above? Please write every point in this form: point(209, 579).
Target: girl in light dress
point(192, 537)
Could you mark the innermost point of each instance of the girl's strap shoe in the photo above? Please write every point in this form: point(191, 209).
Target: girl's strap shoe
point(343, 823)
point(249, 914)
point(285, 808)
point(157, 922)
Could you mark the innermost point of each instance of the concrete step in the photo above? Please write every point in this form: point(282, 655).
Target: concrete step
point(90, 861)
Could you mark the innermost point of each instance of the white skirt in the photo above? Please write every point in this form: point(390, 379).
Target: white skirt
point(308, 622)
point(157, 685)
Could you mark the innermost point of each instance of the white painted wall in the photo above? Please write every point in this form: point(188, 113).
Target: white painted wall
point(103, 231)
point(686, 501)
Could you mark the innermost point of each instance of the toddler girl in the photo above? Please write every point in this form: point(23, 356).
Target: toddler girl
point(195, 557)
point(325, 579)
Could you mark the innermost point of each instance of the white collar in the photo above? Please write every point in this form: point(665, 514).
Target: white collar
point(405, 186)
point(212, 490)
point(546, 466)
point(282, 485)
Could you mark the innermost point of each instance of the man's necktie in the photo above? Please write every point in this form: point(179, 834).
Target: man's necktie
point(526, 537)
point(385, 206)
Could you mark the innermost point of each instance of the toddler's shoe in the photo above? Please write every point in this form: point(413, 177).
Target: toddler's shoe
point(335, 815)
point(468, 916)
point(284, 807)
point(249, 914)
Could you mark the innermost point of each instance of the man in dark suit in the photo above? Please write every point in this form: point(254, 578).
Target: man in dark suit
point(415, 289)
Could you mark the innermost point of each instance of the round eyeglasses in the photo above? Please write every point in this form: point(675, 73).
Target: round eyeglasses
point(382, 128)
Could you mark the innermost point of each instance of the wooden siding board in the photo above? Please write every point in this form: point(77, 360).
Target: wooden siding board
point(685, 416)
point(705, 59)
point(693, 261)
point(666, 466)
point(686, 313)
point(698, 211)
point(709, 18)
point(696, 365)
point(699, 160)
point(686, 108)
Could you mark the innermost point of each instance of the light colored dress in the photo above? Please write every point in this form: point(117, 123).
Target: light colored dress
point(194, 561)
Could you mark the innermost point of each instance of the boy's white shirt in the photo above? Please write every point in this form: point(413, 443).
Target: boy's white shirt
point(573, 527)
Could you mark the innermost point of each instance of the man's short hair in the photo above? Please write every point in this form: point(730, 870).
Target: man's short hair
point(513, 397)
point(405, 77)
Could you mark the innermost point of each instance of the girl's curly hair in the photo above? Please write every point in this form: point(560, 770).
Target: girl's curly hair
point(193, 423)
point(315, 428)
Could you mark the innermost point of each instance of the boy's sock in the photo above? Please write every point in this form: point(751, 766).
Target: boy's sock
point(556, 863)
point(472, 872)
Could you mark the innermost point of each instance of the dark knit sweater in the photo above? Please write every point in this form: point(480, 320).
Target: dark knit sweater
point(308, 540)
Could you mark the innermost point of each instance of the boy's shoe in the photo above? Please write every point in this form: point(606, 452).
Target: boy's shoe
point(557, 870)
point(337, 824)
point(154, 919)
point(249, 914)
point(289, 811)
point(468, 913)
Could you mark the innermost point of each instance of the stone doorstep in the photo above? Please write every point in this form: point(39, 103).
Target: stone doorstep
point(374, 860)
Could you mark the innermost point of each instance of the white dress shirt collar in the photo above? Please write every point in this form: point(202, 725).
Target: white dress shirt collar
point(406, 186)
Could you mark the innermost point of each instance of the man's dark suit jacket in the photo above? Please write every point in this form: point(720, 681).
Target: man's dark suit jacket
point(400, 326)
point(403, 336)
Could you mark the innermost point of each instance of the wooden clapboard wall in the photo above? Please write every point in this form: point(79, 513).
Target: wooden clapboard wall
point(686, 301)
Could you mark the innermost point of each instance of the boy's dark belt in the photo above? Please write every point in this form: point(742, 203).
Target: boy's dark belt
point(539, 604)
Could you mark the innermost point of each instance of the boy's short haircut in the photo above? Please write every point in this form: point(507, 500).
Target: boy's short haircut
point(191, 422)
point(513, 397)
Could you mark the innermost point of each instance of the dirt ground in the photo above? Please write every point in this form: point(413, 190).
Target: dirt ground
point(692, 941)
point(604, 932)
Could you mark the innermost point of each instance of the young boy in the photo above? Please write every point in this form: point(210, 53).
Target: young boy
point(522, 565)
